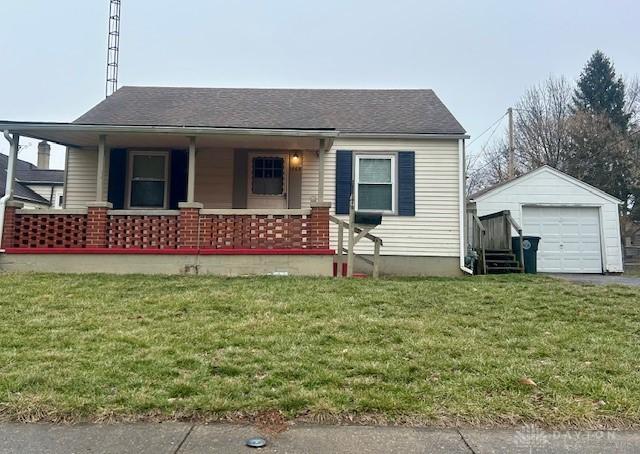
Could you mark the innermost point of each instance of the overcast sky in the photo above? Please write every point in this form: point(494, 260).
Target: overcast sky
point(479, 56)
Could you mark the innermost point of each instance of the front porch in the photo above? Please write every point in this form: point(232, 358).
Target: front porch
point(190, 227)
point(182, 198)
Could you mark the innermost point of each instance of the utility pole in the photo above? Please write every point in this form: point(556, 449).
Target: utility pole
point(512, 166)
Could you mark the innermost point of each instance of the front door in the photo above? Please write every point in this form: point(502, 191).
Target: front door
point(268, 180)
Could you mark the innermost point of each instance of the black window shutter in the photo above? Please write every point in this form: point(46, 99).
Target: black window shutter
point(240, 179)
point(117, 177)
point(406, 183)
point(178, 175)
point(344, 176)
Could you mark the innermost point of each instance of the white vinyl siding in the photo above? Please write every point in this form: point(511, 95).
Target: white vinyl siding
point(550, 188)
point(435, 229)
point(43, 191)
point(80, 178)
point(214, 177)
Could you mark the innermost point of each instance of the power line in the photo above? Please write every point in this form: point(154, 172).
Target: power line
point(484, 149)
point(485, 131)
point(486, 164)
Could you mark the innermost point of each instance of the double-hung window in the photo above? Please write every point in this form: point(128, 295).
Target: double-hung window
point(148, 179)
point(375, 183)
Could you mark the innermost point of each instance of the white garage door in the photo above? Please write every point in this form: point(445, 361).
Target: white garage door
point(570, 238)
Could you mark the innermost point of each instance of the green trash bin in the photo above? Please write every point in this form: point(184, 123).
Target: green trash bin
point(530, 250)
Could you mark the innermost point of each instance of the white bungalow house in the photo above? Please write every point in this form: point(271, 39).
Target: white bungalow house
point(247, 181)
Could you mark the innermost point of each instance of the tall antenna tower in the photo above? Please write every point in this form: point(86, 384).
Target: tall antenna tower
point(113, 47)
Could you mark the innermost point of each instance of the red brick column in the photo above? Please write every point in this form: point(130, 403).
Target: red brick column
point(9, 229)
point(188, 225)
point(319, 225)
point(97, 220)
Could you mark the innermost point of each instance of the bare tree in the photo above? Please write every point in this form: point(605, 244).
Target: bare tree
point(632, 101)
point(492, 169)
point(541, 124)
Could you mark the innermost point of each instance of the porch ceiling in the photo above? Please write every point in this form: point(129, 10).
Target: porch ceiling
point(87, 136)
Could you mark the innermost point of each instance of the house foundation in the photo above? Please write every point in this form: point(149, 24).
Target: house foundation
point(282, 263)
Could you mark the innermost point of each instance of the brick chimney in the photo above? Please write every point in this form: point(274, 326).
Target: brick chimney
point(44, 153)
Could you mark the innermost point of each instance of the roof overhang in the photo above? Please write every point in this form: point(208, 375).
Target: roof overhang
point(87, 135)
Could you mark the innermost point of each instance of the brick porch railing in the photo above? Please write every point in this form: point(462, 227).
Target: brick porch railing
point(189, 228)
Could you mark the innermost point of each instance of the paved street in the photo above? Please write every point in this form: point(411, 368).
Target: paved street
point(173, 438)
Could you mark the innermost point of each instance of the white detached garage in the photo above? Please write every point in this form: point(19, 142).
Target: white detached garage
point(578, 223)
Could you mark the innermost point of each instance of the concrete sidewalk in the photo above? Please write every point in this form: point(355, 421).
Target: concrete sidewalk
point(172, 438)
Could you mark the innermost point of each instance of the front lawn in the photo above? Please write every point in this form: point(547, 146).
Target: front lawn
point(430, 351)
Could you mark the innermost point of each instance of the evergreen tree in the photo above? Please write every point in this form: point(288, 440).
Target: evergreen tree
point(600, 92)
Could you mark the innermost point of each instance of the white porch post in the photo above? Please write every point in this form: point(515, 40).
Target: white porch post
point(11, 164)
point(191, 179)
point(100, 176)
point(6, 199)
point(321, 157)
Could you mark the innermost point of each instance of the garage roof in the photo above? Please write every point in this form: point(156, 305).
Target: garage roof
point(479, 195)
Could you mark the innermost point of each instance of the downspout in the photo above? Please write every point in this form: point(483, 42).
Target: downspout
point(10, 183)
point(462, 199)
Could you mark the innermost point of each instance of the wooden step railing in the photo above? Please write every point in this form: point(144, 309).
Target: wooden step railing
point(478, 241)
point(355, 234)
point(497, 227)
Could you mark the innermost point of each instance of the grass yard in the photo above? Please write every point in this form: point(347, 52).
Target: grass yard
point(431, 351)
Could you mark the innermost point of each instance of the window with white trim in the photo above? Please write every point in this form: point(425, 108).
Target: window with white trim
point(148, 183)
point(375, 183)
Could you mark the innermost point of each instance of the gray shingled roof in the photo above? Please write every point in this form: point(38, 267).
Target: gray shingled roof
point(27, 172)
point(36, 175)
point(355, 111)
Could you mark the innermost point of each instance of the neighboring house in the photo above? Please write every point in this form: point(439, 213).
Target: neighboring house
point(578, 223)
point(244, 181)
point(35, 186)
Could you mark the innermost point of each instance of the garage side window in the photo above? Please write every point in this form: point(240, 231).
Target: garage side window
point(376, 182)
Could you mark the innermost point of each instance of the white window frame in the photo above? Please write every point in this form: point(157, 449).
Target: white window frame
point(131, 155)
point(394, 180)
